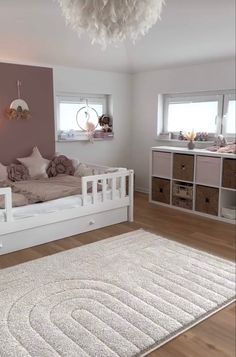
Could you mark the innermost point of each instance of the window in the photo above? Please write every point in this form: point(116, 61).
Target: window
point(213, 113)
point(73, 112)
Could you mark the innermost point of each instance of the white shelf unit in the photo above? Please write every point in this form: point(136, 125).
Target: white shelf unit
point(211, 175)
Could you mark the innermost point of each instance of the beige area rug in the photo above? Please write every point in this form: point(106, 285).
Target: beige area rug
point(123, 296)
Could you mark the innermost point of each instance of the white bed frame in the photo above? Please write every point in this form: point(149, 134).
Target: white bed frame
point(92, 214)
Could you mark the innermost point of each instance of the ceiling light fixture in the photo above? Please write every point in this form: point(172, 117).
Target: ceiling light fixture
point(111, 21)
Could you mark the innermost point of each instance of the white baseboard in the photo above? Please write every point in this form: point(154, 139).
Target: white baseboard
point(141, 189)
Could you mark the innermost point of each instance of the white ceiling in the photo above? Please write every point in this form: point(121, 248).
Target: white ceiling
point(191, 31)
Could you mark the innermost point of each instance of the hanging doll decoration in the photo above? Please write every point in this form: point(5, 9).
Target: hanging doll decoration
point(90, 128)
point(18, 109)
point(86, 118)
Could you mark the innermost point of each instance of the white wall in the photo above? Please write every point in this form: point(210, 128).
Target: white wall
point(145, 89)
point(135, 109)
point(113, 152)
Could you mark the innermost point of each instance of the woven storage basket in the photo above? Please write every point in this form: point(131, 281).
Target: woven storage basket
point(161, 190)
point(182, 202)
point(207, 200)
point(183, 167)
point(184, 190)
point(229, 173)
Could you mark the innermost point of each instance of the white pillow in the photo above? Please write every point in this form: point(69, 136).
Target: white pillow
point(83, 170)
point(36, 164)
point(75, 163)
point(115, 169)
point(3, 172)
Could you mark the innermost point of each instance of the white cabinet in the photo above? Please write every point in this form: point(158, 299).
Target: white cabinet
point(199, 181)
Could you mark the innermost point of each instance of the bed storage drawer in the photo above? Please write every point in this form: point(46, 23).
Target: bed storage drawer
point(60, 228)
point(161, 164)
point(183, 167)
point(207, 199)
point(208, 170)
point(161, 190)
point(229, 173)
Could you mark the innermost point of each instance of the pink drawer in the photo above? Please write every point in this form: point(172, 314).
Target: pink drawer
point(161, 164)
point(208, 170)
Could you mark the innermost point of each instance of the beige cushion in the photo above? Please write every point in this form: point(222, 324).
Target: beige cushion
point(17, 200)
point(75, 163)
point(83, 170)
point(3, 172)
point(36, 164)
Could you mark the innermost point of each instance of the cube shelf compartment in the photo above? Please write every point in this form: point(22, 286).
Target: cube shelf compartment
point(228, 204)
point(199, 181)
point(207, 199)
point(229, 173)
point(182, 190)
point(161, 190)
point(183, 166)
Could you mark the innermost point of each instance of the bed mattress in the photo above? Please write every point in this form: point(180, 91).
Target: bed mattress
point(50, 206)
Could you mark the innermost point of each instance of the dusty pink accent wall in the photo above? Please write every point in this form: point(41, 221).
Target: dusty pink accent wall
point(18, 137)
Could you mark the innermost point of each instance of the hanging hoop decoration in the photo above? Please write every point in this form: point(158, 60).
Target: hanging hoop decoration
point(86, 116)
point(18, 108)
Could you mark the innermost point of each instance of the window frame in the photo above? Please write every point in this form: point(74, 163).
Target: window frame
point(222, 97)
point(78, 98)
point(227, 98)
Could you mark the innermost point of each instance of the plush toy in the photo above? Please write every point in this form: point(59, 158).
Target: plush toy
point(106, 123)
point(220, 141)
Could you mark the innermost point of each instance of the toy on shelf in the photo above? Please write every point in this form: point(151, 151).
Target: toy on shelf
point(106, 123)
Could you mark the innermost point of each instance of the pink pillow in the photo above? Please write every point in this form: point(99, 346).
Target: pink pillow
point(17, 172)
point(60, 165)
point(36, 164)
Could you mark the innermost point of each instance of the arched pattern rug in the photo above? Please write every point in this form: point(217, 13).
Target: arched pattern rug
point(123, 296)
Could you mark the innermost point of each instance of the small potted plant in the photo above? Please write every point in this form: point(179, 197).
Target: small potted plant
point(190, 136)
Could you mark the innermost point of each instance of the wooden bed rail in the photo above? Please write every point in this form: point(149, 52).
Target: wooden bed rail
point(6, 192)
point(120, 183)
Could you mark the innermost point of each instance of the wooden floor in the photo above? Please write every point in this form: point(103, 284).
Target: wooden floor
point(212, 338)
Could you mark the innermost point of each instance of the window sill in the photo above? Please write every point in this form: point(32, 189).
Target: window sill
point(83, 136)
point(78, 140)
point(159, 138)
